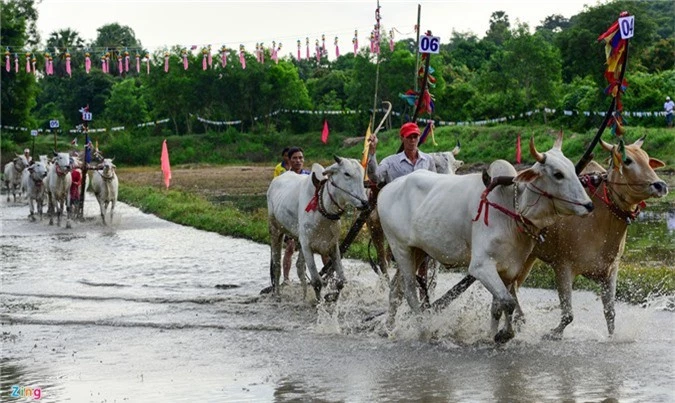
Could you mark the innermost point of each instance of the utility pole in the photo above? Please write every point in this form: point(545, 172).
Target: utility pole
point(417, 44)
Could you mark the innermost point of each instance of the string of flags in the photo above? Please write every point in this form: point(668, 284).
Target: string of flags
point(483, 122)
point(128, 61)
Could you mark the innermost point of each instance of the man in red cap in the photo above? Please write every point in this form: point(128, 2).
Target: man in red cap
point(395, 166)
point(403, 163)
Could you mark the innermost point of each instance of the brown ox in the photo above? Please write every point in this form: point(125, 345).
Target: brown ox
point(592, 246)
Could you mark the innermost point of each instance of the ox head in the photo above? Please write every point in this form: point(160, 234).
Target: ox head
point(62, 163)
point(347, 177)
point(20, 162)
point(636, 172)
point(108, 167)
point(38, 171)
point(551, 187)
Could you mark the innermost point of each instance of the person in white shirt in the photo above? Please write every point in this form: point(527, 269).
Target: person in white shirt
point(668, 107)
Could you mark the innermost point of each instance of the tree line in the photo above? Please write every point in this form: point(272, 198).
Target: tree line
point(512, 69)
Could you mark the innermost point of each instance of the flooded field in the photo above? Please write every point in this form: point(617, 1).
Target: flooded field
point(132, 312)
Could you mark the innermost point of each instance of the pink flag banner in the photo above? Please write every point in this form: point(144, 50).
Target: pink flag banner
point(27, 63)
point(166, 166)
point(337, 48)
point(68, 67)
point(166, 62)
point(299, 46)
point(242, 59)
point(185, 59)
point(147, 63)
point(16, 63)
point(120, 67)
point(223, 56)
point(204, 62)
point(209, 57)
point(355, 41)
point(324, 133)
point(307, 48)
point(138, 63)
point(34, 65)
point(7, 62)
point(126, 62)
point(87, 63)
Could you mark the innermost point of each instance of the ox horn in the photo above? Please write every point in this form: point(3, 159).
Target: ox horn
point(541, 158)
point(558, 141)
point(55, 153)
point(638, 142)
point(337, 159)
point(606, 146)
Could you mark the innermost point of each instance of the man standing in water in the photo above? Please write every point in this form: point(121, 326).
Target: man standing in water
point(296, 163)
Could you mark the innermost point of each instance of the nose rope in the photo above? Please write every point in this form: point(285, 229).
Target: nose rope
point(346, 191)
point(322, 207)
point(550, 196)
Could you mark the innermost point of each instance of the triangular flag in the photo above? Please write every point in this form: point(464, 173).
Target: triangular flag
point(364, 156)
point(166, 166)
point(324, 134)
point(518, 149)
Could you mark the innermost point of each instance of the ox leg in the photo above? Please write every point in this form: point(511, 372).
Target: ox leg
point(112, 209)
point(314, 277)
point(406, 269)
point(275, 258)
point(395, 298)
point(563, 279)
point(102, 205)
point(68, 208)
point(487, 274)
point(377, 236)
point(608, 294)
point(31, 209)
point(8, 191)
point(301, 267)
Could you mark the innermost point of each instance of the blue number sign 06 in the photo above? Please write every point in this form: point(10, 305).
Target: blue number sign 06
point(430, 44)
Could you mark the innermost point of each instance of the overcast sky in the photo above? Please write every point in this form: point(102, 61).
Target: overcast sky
point(165, 23)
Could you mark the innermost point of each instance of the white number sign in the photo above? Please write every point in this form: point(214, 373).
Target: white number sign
point(53, 124)
point(627, 26)
point(34, 133)
point(86, 116)
point(430, 44)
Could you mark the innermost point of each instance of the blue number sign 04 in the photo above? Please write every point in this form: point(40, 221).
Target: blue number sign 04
point(627, 26)
point(430, 44)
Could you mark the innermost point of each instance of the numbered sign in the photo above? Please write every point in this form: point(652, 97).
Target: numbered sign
point(54, 124)
point(627, 26)
point(430, 44)
point(86, 116)
point(34, 133)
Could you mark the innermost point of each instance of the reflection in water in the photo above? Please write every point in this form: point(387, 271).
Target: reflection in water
point(132, 312)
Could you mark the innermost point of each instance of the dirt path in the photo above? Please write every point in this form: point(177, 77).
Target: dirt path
point(207, 180)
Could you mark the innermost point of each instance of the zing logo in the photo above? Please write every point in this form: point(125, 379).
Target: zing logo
point(21, 391)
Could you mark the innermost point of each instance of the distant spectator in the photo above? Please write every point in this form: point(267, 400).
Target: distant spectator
point(668, 107)
point(285, 163)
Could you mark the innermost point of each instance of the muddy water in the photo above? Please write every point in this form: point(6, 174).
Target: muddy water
point(131, 313)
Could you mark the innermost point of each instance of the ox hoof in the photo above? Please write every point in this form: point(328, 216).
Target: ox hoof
point(331, 296)
point(503, 336)
point(266, 290)
point(553, 335)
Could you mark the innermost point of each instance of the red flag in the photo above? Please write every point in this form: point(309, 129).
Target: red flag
point(166, 167)
point(518, 149)
point(324, 134)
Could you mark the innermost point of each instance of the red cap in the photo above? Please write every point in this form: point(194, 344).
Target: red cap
point(408, 129)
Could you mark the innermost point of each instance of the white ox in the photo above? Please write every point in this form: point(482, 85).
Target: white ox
point(317, 229)
point(104, 184)
point(445, 163)
point(35, 187)
point(593, 246)
point(425, 213)
point(59, 181)
point(13, 171)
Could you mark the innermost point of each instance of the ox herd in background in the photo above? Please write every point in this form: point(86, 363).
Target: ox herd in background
point(50, 179)
point(496, 224)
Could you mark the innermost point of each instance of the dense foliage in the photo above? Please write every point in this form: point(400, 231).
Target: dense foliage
point(511, 70)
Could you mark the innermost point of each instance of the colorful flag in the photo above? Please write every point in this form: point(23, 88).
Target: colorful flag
point(518, 154)
point(166, 166)
point(324, 134)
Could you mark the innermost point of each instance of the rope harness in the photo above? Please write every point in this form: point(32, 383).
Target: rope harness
point(317, 201)
point(523, 223)
point(594, 182)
